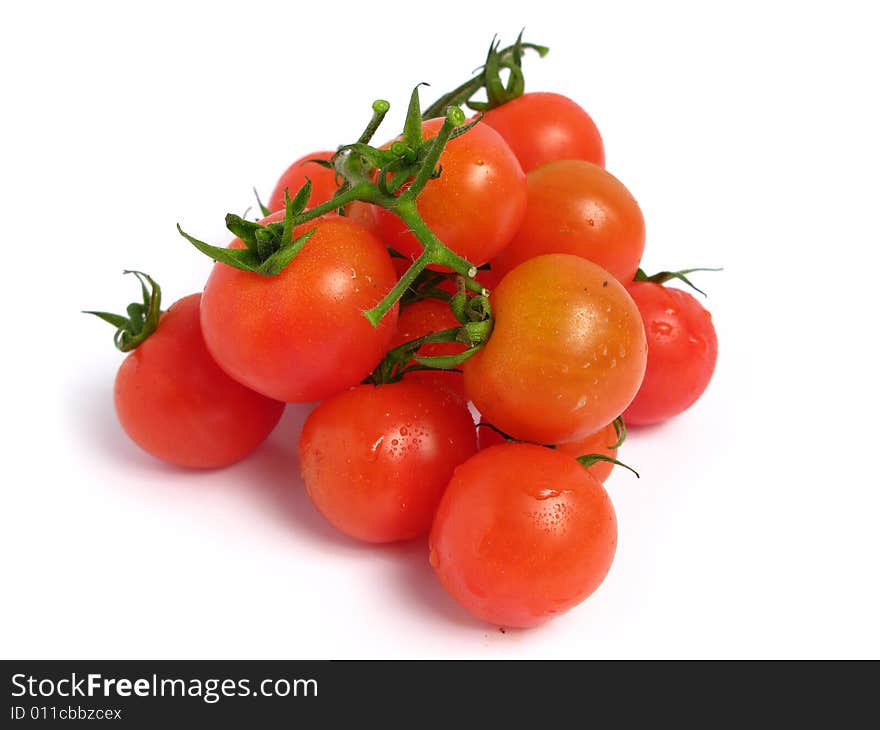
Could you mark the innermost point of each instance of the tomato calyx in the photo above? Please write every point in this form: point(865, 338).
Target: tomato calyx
point(620, 430)
point(475, 315)
point(143, 317)
point(488, 77)
point(268, 248)
point(585, 460)
point(661, 277)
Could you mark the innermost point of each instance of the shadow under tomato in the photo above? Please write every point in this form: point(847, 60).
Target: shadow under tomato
point(271, 476)
point(415, 580)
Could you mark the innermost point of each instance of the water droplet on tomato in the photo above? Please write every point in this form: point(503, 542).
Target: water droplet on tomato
point(547, 493)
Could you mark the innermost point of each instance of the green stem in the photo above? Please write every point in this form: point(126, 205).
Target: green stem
point(382, 308)
point(439, 253)
point(463, 93)
point(362, 191)
point(380, 109)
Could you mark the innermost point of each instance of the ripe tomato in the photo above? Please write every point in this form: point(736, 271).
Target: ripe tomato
point(294, 177)
point(176, 403)
point(301, 335)
point(522, 534)
point(597, 443)
point(475, 206)
point(376, 459)
point(423, 317)
point(567, 353)
point(542, 127)
point(579, 208)
point(682, 350)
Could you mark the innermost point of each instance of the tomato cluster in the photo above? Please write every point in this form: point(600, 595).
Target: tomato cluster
point(485, 265)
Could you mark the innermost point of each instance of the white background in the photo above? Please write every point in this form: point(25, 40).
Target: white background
point(749, 136)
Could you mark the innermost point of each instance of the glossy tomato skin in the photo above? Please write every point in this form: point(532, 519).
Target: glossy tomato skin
point(176, 403)
point(682, 351)
point(597, 443)
point(579, 208)
point(301, 336)
point(423, 317)
point(477, 203)
point(567, 353)
point(542, 127)
point(294, 177)
point(522, 534)
point(376, 459)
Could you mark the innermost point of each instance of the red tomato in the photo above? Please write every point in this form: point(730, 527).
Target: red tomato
point(475, 206)
point(323, 181)
point(375, 460)
point(177, 405)
point(597, 443)
point(542, 127)
point(567, 353)
point(523, 534)
point(682, 350)
point(302, 335)
point(578, 208)
point(423, 317)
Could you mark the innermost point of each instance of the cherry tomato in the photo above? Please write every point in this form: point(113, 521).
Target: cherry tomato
point(176, 403)
point(522, 534)
point(294, 177)
point(543, 127)
point(682, 350)
point(376, 459)
point(423, 317)
point(567, 353)
point(579, 208)
point(301, 335)
point(477, 203)
point(597, 443)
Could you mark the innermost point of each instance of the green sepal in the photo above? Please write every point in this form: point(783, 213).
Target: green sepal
point(276, 263)
point(247, 260)
point(587, 460)
point(448, 362)
point(663, 276)
point(620, 430)
point(244, 229)
point(412, 125)
point(263, 209)
point(143, 317)
point(300, 201)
